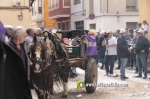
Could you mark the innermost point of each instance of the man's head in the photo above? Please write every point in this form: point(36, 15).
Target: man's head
point(123, 31)
point(8, 29)
point(110, 33)
point(130, 37)
point(30, 32)
point(19, 35)
point(140, 32)
point(98, 33)
point(139, 25)
point(102, 32)
point(117, 33)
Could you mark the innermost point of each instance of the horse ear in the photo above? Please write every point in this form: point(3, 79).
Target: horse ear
point(34, 39)
point(45, 38)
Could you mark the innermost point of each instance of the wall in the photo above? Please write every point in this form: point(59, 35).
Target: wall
point(60, 12)
point(144, 12)
point(47, 22)
point(77, 12)
point(10, 16)
point(110, 22)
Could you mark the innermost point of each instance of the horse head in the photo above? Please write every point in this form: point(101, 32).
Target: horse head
point(41, 53)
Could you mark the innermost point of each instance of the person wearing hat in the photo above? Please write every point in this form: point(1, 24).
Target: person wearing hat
point(111, 52)
point(123, 52)
point(8, 32)
point(141, 50)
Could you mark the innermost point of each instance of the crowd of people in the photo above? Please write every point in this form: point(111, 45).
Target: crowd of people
point(128, 46)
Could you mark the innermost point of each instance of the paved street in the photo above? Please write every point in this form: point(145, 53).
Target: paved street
point(138, 88)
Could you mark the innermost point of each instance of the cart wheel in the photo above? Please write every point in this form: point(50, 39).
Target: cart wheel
point(91, 75)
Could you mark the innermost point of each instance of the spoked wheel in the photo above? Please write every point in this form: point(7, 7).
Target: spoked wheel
point(91, 75)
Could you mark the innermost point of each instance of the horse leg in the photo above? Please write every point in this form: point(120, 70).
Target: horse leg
point(38, 94)
point(49, 96)
point(65, 77)
point(65, 89)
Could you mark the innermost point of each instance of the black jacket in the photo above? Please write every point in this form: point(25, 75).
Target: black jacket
point(102, 48)
point(27, 60)
point(122, 47)
point(142, 44)
point(13, 78)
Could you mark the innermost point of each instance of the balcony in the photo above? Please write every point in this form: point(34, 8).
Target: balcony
point(131, 8)
point(38, 18)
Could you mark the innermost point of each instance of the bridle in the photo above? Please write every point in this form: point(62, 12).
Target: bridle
point(45, 60)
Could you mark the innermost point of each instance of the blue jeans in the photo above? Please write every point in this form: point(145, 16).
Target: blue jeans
point(109, 60)
point(124, 62)
point(101, 57)
point(141, 61)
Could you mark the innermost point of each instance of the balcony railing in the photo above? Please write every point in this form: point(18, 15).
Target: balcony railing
point(77, 1)
point(131, 8)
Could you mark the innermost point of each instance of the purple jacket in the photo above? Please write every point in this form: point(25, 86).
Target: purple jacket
point(2, 31)
point(92, 48)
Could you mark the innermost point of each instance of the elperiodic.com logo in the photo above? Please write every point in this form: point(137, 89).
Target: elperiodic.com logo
point(113, 84)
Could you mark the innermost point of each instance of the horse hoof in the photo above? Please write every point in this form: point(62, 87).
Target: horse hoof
point(64, 96)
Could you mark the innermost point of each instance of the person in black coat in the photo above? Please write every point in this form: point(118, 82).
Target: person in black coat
point(14, 83)
point(101, 48)
point(123, 52)
point(141, 50)
point(118, 58)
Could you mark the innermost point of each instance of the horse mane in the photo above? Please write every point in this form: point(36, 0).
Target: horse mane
point(59, 51)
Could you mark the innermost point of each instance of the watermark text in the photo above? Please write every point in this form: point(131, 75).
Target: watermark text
point(112, 84)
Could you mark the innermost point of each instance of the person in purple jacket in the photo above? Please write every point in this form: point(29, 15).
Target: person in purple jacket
point(92, 46)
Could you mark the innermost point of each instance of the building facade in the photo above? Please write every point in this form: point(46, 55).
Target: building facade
point(77, 15)
point(144, 12)
point(38, 13)
point(48, 23)
point(59, 10)
point(16, 13)
point(104, 14)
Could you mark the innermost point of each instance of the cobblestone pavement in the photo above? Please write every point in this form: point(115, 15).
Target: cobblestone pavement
point(137, 88)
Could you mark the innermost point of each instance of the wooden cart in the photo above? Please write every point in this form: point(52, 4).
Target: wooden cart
point(77, 57)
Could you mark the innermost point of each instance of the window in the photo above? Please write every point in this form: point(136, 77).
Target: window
point(79, 25)
point(66, 2)
point(91, 6)
point(131, 5)
point(93, 26)
point(33, 9)
point(59, 26)
point(77, 1)
point(53, 4)
point(67, 25)
point(49, 4)
point(132, 25)
point(39, 6)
